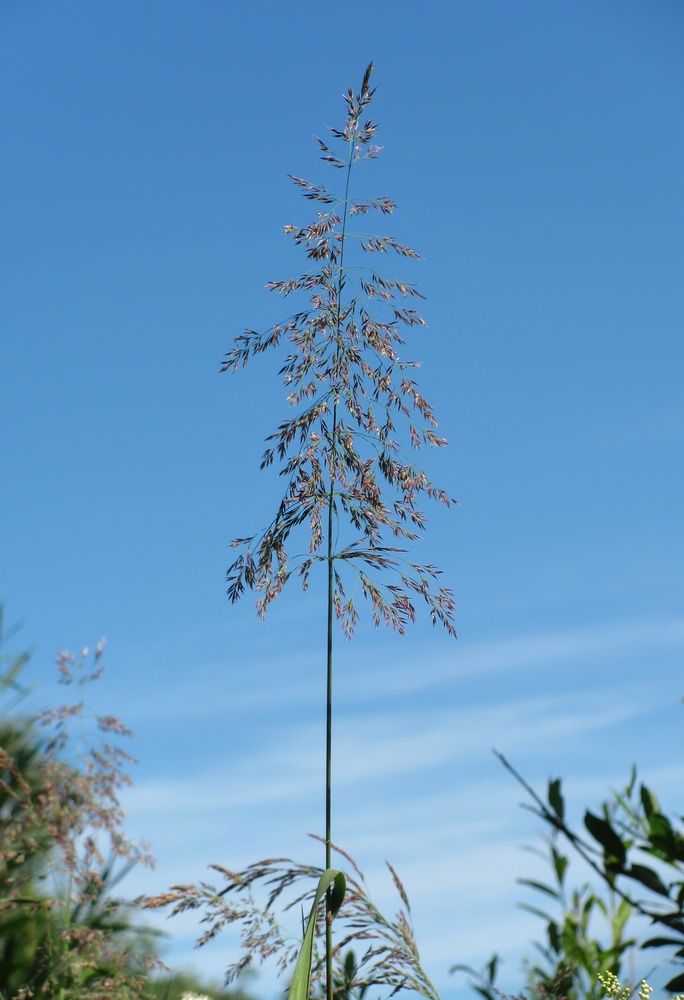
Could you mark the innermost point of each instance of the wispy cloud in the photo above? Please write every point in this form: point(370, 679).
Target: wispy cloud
point(378, 747)
point(275, 680)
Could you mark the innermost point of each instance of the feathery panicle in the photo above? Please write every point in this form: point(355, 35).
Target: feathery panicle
point(353, 397)
point(259, 899)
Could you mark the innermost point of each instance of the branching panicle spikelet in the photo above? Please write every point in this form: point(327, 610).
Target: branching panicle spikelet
point(350, 386)
point(389, 955)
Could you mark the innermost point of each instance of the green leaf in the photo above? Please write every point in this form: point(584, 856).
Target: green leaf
point(556, 798)
point(629, 788)
point(9, 680)
point(539, 886)
point(602, 831)
point(649, 878)
point(659, 942)
point(660, 830)
point(624, 912)
point(678, 850)
point(491, 968)
point(648, 801)
point(535, 911)
point(676, 984)
point(590, 902)
point(560, 864)
point(554, 937)
point(332, 879)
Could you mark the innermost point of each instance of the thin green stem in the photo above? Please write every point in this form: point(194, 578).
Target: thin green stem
point(331, 589)
point(328, 757)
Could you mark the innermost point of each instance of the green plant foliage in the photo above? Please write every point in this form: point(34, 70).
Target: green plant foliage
point(62, 932)
point(347, 979)
point(627, 830)
point(25, 843)
point(333, 881)
point(574, 948)
point(483, 981)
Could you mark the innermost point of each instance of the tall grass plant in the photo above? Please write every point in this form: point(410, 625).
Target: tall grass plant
point(352, 502)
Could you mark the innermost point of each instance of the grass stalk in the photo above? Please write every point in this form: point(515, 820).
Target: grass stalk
point(329, 986)
point(349, 483)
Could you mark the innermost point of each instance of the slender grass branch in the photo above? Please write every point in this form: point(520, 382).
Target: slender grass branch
point(329, 979)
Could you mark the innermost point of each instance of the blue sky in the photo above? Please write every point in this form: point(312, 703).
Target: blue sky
point(535, 152)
